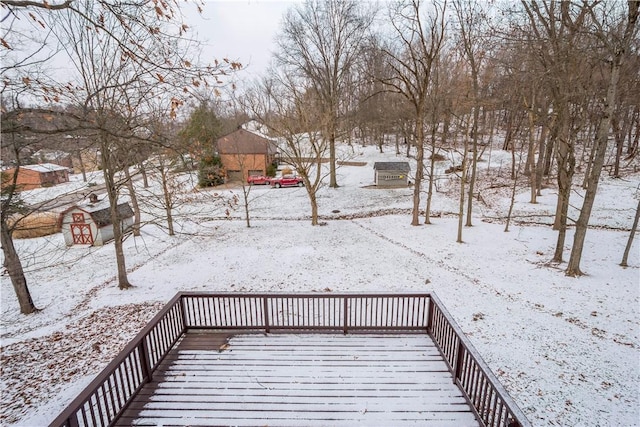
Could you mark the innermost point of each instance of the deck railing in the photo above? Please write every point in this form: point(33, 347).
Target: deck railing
point(106, 397)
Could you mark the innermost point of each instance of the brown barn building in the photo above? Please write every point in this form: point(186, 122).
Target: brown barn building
point(245, 153)
point(36, 176)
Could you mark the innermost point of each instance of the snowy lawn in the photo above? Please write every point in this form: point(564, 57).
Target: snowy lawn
point(565, 348)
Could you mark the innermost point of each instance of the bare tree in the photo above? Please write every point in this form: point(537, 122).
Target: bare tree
point(22, 130)
point(147, 34)
point(295, 116)
point(13, 205)
point(471, 20)
point(615, 46)
point(411, 60)
point(320, 43)
point(557, 28)
point(117, 94)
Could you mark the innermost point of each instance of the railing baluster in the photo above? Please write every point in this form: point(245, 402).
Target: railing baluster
point(345, 315)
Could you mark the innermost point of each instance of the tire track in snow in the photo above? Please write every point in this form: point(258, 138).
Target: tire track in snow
point(439, 263)
point(487, 289)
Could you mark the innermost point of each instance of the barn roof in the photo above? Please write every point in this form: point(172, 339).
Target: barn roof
point(102, 217)
point(392, 166)
point(242, 141)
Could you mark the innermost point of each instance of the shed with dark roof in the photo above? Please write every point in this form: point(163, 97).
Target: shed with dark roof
point(90, 223)
point(391, 174)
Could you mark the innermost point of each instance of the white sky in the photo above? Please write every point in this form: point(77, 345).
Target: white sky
point(242, 30)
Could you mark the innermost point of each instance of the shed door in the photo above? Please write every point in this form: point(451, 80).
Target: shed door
point(81, 234)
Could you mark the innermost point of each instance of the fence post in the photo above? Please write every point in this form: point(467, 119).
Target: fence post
point(459, 355)
point(265, 310)
point(143, 350)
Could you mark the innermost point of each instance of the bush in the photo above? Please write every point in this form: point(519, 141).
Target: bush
point(271, 170)
point(210, 171)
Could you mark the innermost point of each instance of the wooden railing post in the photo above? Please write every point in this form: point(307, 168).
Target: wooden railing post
point(429, 314)
point(183, 312)
point(459, 357)
point(265, 309)
point(73, 421)
point(145, 364)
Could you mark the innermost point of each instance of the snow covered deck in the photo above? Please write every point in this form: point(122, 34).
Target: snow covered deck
point(301, 380)
point(297, 359)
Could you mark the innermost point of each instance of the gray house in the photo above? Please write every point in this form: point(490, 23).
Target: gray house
point(391, 174)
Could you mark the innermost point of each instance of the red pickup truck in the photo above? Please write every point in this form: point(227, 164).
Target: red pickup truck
point(258, 180)
point(287, 181)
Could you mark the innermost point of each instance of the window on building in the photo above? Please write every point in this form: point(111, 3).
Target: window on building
point(78, 217)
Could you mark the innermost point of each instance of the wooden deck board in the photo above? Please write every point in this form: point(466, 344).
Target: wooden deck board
point(301, 380)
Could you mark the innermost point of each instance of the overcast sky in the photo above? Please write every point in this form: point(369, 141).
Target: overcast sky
point(242, 30)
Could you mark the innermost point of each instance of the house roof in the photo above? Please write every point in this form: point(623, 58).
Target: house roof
point(44, 167)
point(242, 141)
point(392, 166)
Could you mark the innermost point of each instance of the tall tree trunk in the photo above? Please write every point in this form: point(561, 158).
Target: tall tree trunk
point(551, 146)
point(432, 174)
point(632, 146)
point(474, 160)
point(566, 165)
point(167, 197)
point(314, 207)
point(13, 266)
point(512, 200)
point(143, 172)
point(415, 220)
point(333, 180)
point(531, 162)
point(112, 194)
point(509, 131)
point(82, 168)
point(134, 202)
point(627, 248)
point(463, 178)
point(542, 145)
point(446, 126)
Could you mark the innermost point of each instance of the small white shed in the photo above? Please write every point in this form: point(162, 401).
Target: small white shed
point(90, 223)
point(391, 174)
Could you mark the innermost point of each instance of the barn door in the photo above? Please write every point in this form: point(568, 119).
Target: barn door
point(81, 234)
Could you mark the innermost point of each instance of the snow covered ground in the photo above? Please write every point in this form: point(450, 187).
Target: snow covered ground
point(565, 348)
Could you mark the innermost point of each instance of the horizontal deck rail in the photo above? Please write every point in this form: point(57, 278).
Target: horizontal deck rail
point(109, 394)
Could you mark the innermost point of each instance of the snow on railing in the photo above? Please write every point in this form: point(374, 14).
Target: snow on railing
point(108, 396)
